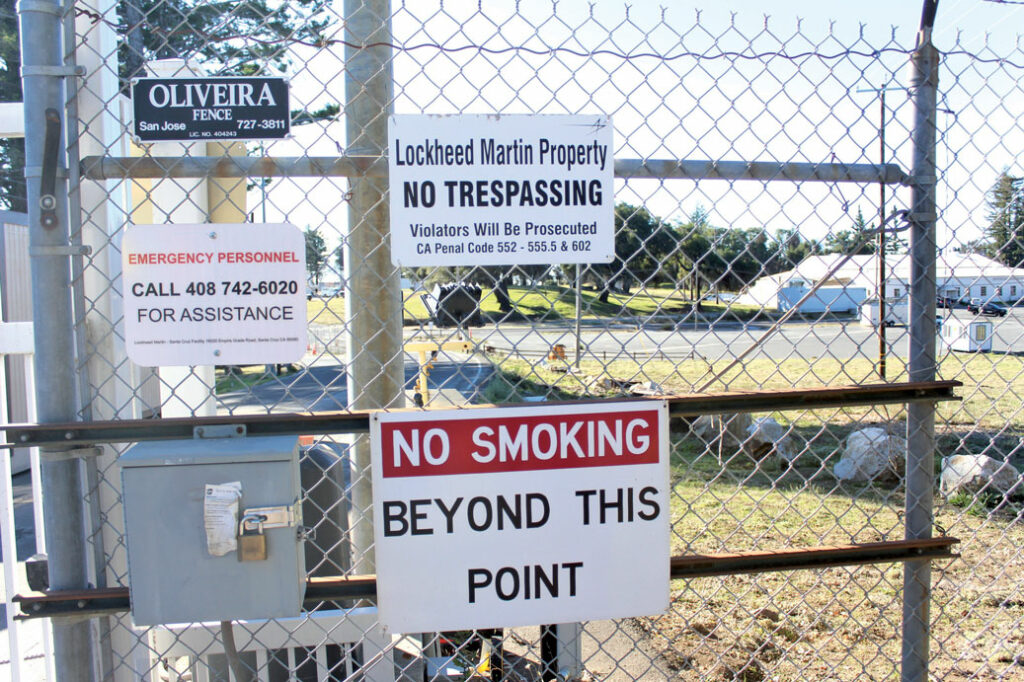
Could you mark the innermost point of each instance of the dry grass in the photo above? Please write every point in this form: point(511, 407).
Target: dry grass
point(841, 623)
point(548, 303)
point(990, 396)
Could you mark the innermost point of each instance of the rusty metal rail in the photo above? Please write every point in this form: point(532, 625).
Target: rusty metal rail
point(76, 434)
point(111, 168)
point(118, 600)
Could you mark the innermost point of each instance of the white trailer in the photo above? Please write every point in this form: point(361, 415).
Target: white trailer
point(967, 335)
point(896, 313)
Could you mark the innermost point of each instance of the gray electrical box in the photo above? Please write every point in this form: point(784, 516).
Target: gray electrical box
point(173, 576)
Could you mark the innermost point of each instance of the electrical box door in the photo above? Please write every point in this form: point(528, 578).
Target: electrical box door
point(178, 527)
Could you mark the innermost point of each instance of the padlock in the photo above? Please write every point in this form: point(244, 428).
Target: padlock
point(252, 543)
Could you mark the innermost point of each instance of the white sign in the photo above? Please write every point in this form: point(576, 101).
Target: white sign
point(210, 294)
point(503, 517)
point(501, 190)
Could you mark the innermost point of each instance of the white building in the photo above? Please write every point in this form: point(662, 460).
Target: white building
point(958, 275)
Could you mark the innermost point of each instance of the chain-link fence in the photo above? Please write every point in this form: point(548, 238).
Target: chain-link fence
point(753, 163)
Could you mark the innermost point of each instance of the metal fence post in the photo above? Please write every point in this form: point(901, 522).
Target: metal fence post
point(920, 475)
point(373, 298)
point(43, 74)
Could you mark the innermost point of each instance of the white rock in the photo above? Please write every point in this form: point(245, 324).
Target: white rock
point(732, 429)
point(871, 453)
point(703, 426)
point(977, 473)
point(728, 433)
point(647, 388)
point(766, 435)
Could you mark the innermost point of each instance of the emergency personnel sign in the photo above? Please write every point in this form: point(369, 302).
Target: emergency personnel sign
point(214, 294)
point(501, 190)
point(503, 517)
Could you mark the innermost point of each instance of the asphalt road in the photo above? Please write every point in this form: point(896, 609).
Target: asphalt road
point(322, 386)
point(726, 340)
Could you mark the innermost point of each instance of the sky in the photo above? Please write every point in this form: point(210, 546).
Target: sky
point(807, 108)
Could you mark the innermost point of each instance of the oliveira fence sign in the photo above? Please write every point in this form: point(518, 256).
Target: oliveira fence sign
point(191, 109)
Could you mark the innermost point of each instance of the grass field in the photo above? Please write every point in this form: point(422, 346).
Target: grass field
point(834, 624)
point(991, 393)
point(548, 303)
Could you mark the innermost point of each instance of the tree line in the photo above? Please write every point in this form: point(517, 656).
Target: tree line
point(1004, 235)
point(691, 254)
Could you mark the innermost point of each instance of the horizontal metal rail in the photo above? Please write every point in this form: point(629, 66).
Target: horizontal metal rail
point(811, 398)
point(134, 430)
point(691, 169)
point(158, 167)
point(703, 566)
point(118, 600)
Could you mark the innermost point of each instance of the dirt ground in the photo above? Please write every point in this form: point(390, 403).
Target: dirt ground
point(845, 623)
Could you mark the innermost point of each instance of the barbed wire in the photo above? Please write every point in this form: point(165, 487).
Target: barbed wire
point(96, 18)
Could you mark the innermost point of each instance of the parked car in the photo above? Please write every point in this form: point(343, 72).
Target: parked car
point(993, 309)
point(947, 302)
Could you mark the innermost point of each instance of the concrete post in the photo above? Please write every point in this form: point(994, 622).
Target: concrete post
point(184, 391)
point(373, 297)
point(97, 213)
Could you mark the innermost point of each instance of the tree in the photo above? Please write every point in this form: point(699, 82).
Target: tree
point(12, 150)
point(792, 249)
point(1006, 220)
point(642, 243)
point(743, 256)
point(856, 241)
point(316, 254)
point(238, 38)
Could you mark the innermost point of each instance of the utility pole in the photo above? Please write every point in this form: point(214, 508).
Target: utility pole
point(883, 346)
point(881, 242)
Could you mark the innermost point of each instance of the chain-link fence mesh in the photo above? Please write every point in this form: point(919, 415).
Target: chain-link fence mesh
point(703, 269)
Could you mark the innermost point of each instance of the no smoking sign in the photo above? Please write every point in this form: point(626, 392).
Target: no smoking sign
point(522, 515)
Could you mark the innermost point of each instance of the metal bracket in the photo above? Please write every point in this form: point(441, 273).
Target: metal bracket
point(42, 7)
point(48, 181)
point(37, 172)
point(255, 518)
point(51, 455)
point(61, 250)
point(58, 71)
point(219, 431)
point(922, 217)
